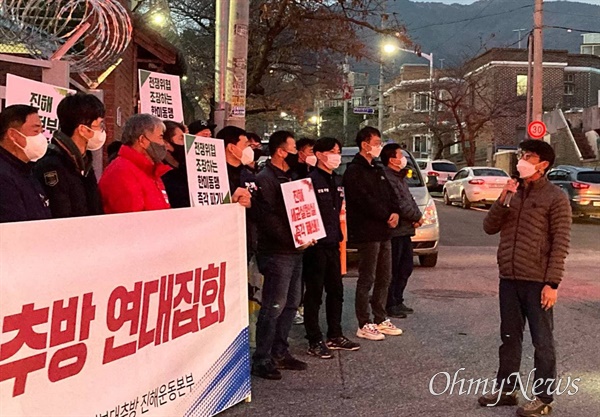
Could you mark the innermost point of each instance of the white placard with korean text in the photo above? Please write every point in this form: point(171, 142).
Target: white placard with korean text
point(160, 95)
point(123, 318)
point(41, 95)
point(303, 211)
point(206, 171)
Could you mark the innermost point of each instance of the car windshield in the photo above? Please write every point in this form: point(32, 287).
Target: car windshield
point(489, 173)
point(413, 177)
point(590, 176)
point(422, 164)
point(444, 166)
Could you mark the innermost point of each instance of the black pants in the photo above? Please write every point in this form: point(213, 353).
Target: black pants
point(322, 270)
point(374, 271)
point(520, 301)
point(402, 268)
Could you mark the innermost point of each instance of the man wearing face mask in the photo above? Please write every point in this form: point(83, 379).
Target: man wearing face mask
point(280, 263)
point(534, 242)
point(410, 218)
point(176, 182)
point(132, 182)
point(321, 265)
point(21, 143)
point(372, 211)
point(304, 161)
point(66, 170)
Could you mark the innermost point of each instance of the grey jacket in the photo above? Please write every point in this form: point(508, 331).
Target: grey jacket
point(409, 210)
point(534, 233)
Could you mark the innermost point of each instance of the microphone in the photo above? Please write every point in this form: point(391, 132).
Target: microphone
point(509, 194)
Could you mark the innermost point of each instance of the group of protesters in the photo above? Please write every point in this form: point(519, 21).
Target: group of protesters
point(147, 171)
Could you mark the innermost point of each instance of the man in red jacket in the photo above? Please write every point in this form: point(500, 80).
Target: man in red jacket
point(132, 181)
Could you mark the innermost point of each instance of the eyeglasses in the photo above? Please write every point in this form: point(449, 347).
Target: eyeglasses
point(526, 155)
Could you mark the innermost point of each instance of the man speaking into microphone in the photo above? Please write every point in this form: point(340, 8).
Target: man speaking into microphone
point(534, 243)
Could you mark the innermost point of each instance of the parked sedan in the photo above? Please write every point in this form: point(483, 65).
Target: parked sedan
point(436, 173)
point(475, 185)
point(582, 185)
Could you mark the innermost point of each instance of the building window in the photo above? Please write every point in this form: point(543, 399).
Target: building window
point(421, 102)
point(421, 144)
point(569, 78)
point(569, 89)
point(521, 85)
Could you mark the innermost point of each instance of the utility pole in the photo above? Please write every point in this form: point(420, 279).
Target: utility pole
point(221, 35)
point(381, 78)
point(346, 71)
point(538, 60)
point(519, 30)
point(237, 62)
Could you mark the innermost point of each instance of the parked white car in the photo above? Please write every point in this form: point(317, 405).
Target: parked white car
point(475, 185)
point(436, 173)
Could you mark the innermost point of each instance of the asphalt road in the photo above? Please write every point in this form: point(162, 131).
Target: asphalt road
point(455, 326)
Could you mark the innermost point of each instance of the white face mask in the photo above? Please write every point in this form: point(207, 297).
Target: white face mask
point(375, 151)
point(333, 161)
point(35, 146)
point(96, 141)
point(526, 169)
point(247, 156)
point(311, 160)
point(401, 164)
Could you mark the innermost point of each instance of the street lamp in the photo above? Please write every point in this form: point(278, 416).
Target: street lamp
point(159, 19)
point(387, 48)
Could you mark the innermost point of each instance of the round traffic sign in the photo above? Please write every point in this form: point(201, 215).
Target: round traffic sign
point(536, 130)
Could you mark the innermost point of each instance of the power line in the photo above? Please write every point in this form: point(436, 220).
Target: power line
point(571, 29)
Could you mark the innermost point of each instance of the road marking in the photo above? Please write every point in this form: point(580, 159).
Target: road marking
point(479, 209)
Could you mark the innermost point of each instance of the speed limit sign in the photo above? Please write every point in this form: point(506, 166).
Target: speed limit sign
point(536, 130)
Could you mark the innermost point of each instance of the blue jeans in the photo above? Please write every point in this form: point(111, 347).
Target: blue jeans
point(280, 300)
point(402, 268)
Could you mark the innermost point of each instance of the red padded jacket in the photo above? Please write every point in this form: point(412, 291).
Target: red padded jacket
point(132, 183)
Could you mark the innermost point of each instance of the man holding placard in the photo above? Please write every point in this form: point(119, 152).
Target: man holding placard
point(66, 170)
point(280, 263)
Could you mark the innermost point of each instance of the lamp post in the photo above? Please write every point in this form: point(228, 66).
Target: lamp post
point(387, 49)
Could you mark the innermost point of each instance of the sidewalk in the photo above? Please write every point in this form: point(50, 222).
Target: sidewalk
point(455, 325)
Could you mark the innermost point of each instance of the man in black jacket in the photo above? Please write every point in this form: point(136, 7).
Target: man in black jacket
point(66, 170)
point(280, 263)
point(322, 269)
point(372, 210)
point(21, 141)
point(410, 218)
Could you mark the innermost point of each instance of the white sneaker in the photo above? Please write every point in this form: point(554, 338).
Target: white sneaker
point(387, 327)
point(299, 318)
point(369, 331)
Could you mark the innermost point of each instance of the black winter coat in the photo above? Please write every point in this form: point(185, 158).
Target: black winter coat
point(274, 233)
point(409, 210)
point(241, 176)
point(330, 195)
point(370, 201)
point(21, 195)
point(68, 179)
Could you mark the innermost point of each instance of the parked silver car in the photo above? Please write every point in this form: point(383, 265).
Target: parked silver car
point(426, 240)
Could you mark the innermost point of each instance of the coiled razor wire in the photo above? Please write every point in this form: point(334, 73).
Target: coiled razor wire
point(41, 27)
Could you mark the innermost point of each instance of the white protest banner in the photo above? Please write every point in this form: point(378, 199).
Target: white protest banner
point(121, 318)
point(303, 211)
point(160, 95)
point(206, 171)
point(43, 96)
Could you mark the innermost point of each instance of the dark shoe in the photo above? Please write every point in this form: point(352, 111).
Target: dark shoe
point(319, 350)
point(396, 312)
point(290, 363)
point(497, 399)
point(266, 370)
point(535, 408)
point(342, 343)
point(407, 310)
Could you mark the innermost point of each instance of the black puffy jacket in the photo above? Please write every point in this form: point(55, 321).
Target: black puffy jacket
point(330, 194)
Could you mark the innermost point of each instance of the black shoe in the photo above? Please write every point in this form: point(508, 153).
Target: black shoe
point(266, 370)
point(396, 312)
point(403, 308)
point(319, 350)
point(290, 363)
point(498, 399)
point(342, 343)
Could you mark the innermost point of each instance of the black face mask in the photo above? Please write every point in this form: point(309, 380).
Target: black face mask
point(179, 153)
point(257, 154)
point(292, 160)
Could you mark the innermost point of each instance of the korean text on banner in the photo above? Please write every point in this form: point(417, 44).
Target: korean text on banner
point(206, 171)
point(43, 96)
point(160, 95)
point(142, 323)
point(303, 211)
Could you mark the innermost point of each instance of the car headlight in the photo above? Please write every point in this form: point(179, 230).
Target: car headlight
point(430, 213)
